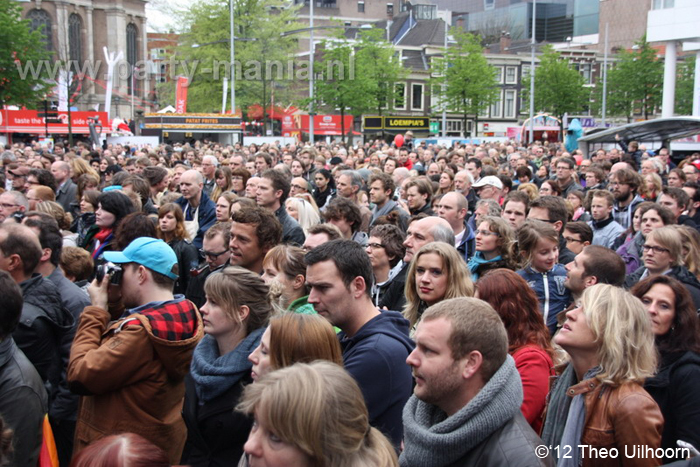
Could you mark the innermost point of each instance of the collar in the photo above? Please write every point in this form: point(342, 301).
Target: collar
point(144, 307)
point(604, 223)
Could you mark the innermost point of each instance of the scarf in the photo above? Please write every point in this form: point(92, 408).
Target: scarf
point(433, 439)
point(566, 416)
point(477, 260)
point(384, 210)
point(102, 238)
point(215, 374)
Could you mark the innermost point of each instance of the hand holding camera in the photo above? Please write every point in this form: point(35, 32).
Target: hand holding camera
point(106, 288)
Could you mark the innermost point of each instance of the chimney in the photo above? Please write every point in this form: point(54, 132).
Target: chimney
point(504, 43)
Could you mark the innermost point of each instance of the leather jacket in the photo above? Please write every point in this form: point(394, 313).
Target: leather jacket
point(623, 417)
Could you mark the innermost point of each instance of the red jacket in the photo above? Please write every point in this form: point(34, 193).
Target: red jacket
point(535, 367)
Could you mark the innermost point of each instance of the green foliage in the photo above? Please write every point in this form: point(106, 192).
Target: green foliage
point(261, 54)
point(559, 88)
point(344, 79)
point(634, 83)
point(469, 81)
point(684, 86)
point(383, 68)
point(22, 50)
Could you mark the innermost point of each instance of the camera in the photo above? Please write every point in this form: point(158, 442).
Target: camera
point(109, 269)
point(18, 216)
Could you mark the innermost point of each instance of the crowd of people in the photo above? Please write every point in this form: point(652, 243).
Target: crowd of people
point(327, 305)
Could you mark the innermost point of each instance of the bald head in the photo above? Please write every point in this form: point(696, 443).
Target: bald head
point(191, 183)
point(426, 230)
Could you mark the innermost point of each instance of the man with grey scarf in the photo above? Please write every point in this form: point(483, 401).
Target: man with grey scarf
point(465, 408)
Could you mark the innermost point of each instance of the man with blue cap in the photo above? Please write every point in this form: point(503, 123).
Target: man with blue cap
point(133, 348)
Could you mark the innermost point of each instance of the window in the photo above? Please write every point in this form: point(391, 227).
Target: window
point(586, 71)
point(662, 4)
point(525, 72)
point(416, 96)
point(454, 127)
point(360, 7)
point(509, 103)
point(400, 96)
point(390, 9)
point(499, 74)
point(511, 73)
point(75, 43)
point(162, 73)
point(496, 107)
point(489, 4)
point(348, 24)
point(131, 50)
point(41, 19)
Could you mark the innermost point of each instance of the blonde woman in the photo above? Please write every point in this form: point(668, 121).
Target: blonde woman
point(303, 212)
point(311, 415)
point(598, 399)
point(437, 272)
point(690, 238)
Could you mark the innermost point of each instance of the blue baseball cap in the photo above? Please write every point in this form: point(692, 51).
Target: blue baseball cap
point(149, 252)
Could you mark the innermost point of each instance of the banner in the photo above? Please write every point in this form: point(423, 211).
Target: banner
point(181, 95)
point(30, 122)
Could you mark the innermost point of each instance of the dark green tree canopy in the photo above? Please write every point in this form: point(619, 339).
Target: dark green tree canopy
point(24, 62)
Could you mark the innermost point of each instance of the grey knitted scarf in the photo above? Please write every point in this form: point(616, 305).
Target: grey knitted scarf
point(432, 439)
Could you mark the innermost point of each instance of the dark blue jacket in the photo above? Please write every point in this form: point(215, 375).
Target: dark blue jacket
point(376, 358)
point(468, 244)
point(550, 291)
point(206, 216)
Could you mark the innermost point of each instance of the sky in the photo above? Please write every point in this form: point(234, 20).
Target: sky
point(162, 15)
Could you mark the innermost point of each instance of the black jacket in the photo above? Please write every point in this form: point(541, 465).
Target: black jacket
point(195, 285)
point(64, 404)
point(292, 233)
point(187, 259)
point(215, 432)
point(675, 389)
point(23, 403)
point(512, 445)
point(41, 328)
point(565, 255)
point(394, 296)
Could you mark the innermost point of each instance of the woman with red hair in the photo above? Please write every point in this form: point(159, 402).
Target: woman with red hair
point(126, 449)
point(528, 337)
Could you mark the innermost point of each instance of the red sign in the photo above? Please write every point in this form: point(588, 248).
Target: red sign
point(323, 124)
point(28, 121)
point(181, 95)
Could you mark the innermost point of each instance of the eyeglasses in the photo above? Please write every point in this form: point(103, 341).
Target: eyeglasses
point(485, 232)
point(211, 254)
point(543, 220)
point(655, 249)
point(8, 206)
point(375, 246)
point(299, 187)
point(573, 240)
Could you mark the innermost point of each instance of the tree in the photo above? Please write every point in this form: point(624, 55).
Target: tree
point(24, 61)
point(635, 82)
point(684, 86)
point(384, 68)
point(344, 79)
point(559, 88)
point(261, 53)
point(469, 82)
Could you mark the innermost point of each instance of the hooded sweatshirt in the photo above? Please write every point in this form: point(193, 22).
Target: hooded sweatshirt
point(131, 373)
point(376, 358)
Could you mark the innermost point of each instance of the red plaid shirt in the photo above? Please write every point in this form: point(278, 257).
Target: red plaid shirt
point(173, 321)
